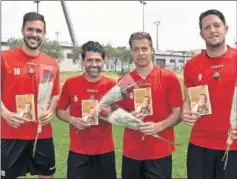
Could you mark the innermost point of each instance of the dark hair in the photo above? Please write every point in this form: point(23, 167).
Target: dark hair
point(33, 16)
point(138, 36)
point(211, 12)
point(94, 47)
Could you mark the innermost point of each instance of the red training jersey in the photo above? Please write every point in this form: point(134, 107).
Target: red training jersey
point(210, 131)
point(16, 81)
point(166, 94)
point(96, 139)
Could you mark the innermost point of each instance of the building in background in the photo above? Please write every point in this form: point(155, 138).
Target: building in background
point(66, 64)
point(174, 60)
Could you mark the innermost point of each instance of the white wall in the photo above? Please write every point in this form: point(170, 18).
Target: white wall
point(67, 63)
point(176, 58)
point(4, 47)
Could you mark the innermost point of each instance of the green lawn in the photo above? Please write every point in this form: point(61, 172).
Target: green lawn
point(61, 139)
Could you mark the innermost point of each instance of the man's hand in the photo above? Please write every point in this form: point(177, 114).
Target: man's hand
point(233, 132)
point(78, 123)
point(151, 128)
point(190, 118)
point(13, 119)
point(138, 115)
point(46, 118)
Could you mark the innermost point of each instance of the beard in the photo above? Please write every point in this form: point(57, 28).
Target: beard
point(93, 72)
point(29, 45)
point(214, 46)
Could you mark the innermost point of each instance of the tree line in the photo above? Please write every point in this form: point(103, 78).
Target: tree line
point(115, 56)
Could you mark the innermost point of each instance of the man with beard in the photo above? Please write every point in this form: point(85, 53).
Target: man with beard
point(91, 150)
point(20, 73)
point(215, 67)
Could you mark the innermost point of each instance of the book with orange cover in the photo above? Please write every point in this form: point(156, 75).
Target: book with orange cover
point(89, 111)
point(200, 100)
point(143, 101)
point(25, 106)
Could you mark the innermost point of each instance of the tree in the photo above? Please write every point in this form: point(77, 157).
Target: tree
point(51, 48)
point(124, 56)
point(76, 54)
point(14, 43)
point(117, 54)
point(109, 52)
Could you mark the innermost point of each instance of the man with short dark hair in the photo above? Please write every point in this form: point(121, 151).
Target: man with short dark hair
point(215, 67)
point(20, 79)
point(91, 152)
point(143, 155)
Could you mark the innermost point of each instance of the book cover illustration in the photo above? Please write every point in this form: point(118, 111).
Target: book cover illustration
point(200, 100)
point(89, 111)
point(143, 101)
point(25, 106)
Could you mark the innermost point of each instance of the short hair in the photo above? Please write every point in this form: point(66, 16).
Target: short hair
point(202, 94)
point(33, 16)
point(28, 103)
point(94, 47)
point(211, 12)
point(138, 36)
point(148, 97)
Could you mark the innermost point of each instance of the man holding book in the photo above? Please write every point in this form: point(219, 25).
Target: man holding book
point(145, 156)
point(21, 69)
point(216, 68)
point(91, 150)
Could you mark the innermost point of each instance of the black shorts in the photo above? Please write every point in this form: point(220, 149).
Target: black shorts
point(147, 169)
point(81, 166)
point(17, 158)
point(207, 163)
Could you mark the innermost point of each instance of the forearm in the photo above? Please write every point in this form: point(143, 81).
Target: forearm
point(53, 103)
point(186, 105)
point(173, 119)
point(63, 115)
point(3, 109)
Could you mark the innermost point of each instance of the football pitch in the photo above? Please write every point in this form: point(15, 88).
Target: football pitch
point(61, 140)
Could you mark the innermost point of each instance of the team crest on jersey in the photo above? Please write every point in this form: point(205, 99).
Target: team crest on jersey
point(75, 98)
point(31, 71)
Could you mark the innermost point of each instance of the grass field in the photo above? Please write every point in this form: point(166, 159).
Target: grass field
point(61, 139)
